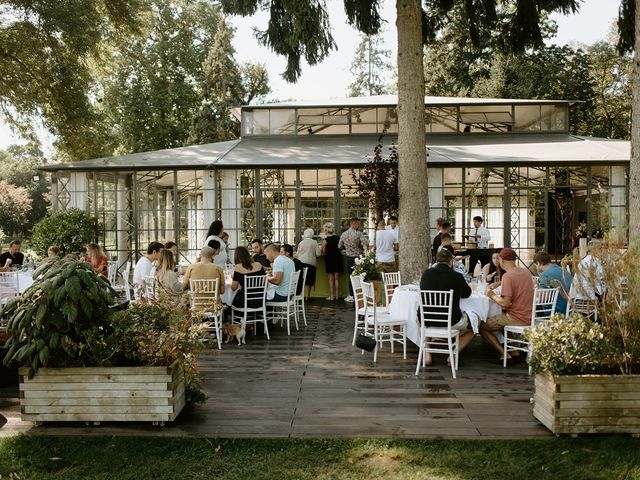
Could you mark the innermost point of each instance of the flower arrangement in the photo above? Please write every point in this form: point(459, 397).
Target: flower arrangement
point(366, 265)
point(582, 230)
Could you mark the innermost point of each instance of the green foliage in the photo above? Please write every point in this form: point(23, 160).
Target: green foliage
point(568, 346)
point(377, 182)
point(48, 321)
point(18, 165)
point(154, 334)
point(15, 205)
point(48, 49)
point(70, 230)
point(370, 68)
point(366, 265)
point(152, 91)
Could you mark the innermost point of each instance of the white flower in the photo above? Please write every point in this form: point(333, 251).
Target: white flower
point(371, 261)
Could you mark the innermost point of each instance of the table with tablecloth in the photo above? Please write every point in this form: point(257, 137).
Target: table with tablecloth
point(21, 280)
point(405, 305)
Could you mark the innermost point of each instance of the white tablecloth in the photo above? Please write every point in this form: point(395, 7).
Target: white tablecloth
point(25, 280)
point(405, 304)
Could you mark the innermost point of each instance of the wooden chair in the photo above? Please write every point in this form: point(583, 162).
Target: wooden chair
point(436, 308)
point(254, 294)
point(203, 297)
point(544, 306)
point(385, 329)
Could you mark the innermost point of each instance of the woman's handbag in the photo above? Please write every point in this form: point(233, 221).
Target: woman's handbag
point(365, 343)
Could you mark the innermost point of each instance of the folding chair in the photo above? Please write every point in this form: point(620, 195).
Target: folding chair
point(300, 297)
point(544, 306)
point(204, 296)
point(254, 294)
point(391, 280)
point(436, 309)
point(385, 329)
point(282, 311)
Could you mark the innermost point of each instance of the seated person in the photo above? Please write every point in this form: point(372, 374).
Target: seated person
point(166, 276)
point(259, 256)
point(282, 268)
point(492, 271)
point(245, 267)
point(205, 269)
point(458, 266)
point(145, 266)
point(516, 300)
point(442, 277)
point(53, 252)
point(287, 250)
point(553, 276)
point(97, 259)
point(13, 254)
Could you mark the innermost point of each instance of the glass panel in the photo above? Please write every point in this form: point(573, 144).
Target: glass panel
point(351, 205)
point(527, 118)
point(441, 119)
point(364, 120)
point(485, 118)
point(282, 122)
point(554, 117)
point(255, 122)
point(387, 120)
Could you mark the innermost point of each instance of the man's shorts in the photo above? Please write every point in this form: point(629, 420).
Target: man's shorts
point(498, 322)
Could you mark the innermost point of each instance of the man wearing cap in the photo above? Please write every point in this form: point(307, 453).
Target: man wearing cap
point(515, 298)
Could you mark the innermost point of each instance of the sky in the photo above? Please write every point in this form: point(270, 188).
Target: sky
point(331, 78)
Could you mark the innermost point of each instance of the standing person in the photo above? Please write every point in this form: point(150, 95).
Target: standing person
point(492, 271)
point(587, 282)
point(287, 251)
point(214, 232)
point(308, 253)
point(165, 274)
point(552, 276)
point(354, 243)
point(332, 259)
point(385, 244)
point(245, 267)
point(515, 298)
point(445, 227)
point(394, 227)
point(13, 254)
point(144, 267)
point(281, 271)
point(442, 277)
point(205, 269)
point(97, 259)
point(258, 253)
point(481, 235)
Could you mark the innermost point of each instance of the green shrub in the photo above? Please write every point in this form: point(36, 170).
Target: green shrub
point(568, 346)
point(70, 230)
point(47, 323)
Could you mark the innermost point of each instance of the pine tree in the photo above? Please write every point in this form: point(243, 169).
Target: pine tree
point(371, 68)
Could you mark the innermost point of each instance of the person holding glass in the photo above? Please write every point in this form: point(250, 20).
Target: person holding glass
point(492, 272)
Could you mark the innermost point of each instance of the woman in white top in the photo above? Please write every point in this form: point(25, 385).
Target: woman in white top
point(165, 274)
point(214, 233)
point(308, 251)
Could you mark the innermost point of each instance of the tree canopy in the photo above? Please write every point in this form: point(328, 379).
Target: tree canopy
point(371, 68)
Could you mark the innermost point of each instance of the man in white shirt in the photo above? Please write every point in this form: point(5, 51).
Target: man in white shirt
point(393, 226)
point(144, 267)
point(282, 270)
point(587, 282)
point(481, 235)
point(385, 243)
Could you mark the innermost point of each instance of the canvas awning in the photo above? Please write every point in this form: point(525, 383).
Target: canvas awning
point(317, 151)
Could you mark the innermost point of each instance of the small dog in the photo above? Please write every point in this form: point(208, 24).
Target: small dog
point(234, 330)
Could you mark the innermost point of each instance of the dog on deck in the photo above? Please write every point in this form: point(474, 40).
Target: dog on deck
point(236, 331)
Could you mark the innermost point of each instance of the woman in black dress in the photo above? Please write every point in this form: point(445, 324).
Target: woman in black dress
point(245, 267)
point(333, 260)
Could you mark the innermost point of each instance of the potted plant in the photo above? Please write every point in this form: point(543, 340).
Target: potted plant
point(370, 271)
point(83, 361)
point(587, 368)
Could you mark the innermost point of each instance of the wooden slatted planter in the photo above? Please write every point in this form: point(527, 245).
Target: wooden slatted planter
point(103, 394)
point(588, 403)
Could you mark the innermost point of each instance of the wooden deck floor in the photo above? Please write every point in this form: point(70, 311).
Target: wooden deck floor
point(315, 384)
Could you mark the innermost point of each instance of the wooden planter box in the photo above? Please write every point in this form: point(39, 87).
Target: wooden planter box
point(588, 403)
point(97, 394)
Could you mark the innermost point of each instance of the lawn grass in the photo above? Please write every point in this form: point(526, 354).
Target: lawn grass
point(30, 457)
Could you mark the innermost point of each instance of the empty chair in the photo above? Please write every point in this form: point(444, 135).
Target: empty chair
point(283, 311)
point(112, 272)
point(253, 309)
point(436, 309)
point(584, 307)
point(360, 307)
point(544, 306)
point(385, 329)
point(125, 287)
point(300, 307)
point(391, 280)
point(203, 298)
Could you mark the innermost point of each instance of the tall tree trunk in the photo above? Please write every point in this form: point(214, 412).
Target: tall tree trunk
point(634, 173)
point(412, 167)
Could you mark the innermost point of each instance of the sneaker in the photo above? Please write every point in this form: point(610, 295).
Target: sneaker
point(349, 299)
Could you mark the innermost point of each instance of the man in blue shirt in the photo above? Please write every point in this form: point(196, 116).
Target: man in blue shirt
point(552, 276)
point(282, 270)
